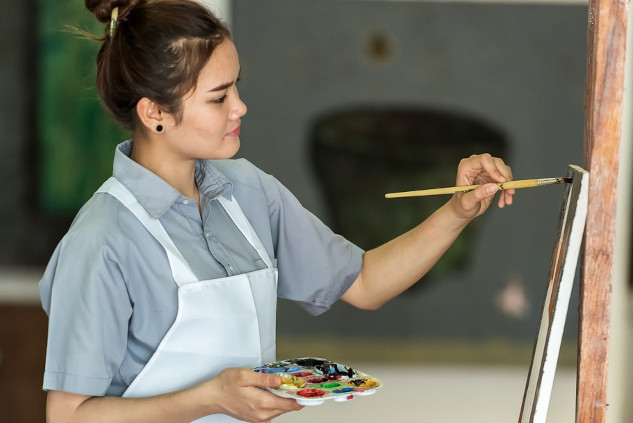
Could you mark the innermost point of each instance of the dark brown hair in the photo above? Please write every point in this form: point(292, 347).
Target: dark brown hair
point(157, 50)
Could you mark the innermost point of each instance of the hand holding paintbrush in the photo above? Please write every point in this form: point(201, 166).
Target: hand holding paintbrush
point(526, 183)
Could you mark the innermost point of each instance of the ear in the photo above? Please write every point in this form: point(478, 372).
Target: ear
point(150, 114)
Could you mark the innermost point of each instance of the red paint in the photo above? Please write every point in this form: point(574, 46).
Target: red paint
point(315, 379)
point(311, 393)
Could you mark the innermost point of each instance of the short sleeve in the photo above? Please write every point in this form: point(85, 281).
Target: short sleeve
point(316, 266)
point(84, 294)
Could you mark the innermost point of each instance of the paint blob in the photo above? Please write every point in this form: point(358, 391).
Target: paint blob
point(342, 390)
point(290, 381)
point(316, 379)
point(363, 383)
point(311, 393)
point(311, 380)
point(308, 362)
point(330, 385)
point(334, 369)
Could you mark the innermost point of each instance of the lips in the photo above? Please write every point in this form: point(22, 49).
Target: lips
point(234, 133)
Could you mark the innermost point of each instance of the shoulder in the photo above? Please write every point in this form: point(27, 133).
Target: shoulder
point(91, 256)
point(102, 234)
point(100, 218)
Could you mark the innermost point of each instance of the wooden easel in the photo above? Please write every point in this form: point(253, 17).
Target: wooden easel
point(605, 82)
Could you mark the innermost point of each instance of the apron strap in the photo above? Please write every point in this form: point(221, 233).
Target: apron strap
point(180, 269)
point(237, 215)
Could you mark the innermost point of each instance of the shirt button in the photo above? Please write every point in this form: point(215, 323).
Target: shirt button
point(230, 268)
point(207, 235)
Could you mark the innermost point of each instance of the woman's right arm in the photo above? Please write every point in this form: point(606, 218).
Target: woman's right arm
point(235, 392)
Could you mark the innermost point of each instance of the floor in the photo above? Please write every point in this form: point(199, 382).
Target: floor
point(419, 393)
point(443, 394)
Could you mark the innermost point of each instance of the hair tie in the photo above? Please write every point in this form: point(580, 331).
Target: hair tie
point(113, 19)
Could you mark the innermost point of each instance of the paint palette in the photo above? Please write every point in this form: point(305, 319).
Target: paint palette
point(312, 380)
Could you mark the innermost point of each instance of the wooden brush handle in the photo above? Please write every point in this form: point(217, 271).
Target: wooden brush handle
point(525, 183)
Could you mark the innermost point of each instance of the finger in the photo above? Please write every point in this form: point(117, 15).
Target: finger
point(469, 170)
point(264, 380)
point(494, 167)
point(509, 197)
point(506, 197)
point(502, 200)
point(472, 200)
point(482, 168)
point(268, 380)
point(280, 404)
point(504, 169)
point(290, 405)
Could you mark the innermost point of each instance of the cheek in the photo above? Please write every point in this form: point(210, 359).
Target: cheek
point(209, 129)
point(207, 121)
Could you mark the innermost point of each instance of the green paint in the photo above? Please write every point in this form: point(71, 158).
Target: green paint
point(330, 385)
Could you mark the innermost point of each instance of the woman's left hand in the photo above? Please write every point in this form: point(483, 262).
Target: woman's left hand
point(485, 170)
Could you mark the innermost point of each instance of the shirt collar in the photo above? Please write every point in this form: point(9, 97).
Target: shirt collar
point(154, 193)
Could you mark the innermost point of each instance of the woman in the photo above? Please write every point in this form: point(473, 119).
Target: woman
point(162, 294)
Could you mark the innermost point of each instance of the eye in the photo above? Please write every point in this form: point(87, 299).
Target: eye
point(219, 100)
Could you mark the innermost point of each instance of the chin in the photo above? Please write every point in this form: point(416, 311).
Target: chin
point(235, 149)
point(229, 151)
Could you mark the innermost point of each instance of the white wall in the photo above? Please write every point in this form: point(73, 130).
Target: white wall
point(222, 8)
point(620, 380)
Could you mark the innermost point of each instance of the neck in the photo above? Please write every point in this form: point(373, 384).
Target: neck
point(176, 171)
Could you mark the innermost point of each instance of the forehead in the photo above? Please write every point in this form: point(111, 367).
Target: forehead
point(222, 67)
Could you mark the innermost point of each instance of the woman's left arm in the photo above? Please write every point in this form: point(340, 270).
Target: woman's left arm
point(393, 267)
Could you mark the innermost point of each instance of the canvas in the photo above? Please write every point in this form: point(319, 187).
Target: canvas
point(569, 237)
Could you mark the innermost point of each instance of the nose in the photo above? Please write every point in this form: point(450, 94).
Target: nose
point(239, 108)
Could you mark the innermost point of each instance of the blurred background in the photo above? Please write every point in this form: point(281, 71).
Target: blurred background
point(348, 100)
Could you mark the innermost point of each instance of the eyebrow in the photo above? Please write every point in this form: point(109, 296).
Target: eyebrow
point(225, 85)
point(221, 87)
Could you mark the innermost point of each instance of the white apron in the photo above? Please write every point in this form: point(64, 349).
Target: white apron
point(224, 322)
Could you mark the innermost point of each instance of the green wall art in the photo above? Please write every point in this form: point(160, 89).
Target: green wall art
point(76, 136)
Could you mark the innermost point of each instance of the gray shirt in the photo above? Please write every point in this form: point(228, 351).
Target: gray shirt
point(108, 289)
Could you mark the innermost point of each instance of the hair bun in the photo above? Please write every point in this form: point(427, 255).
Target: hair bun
point(102, 9)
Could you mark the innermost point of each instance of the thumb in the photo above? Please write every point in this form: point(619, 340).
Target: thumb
point(488, 190)
point(472, 200)
point(268, 380)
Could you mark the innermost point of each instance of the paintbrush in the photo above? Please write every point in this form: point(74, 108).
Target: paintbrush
point(526, 183)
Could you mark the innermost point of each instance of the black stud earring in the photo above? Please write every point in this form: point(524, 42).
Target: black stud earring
point(159, 128)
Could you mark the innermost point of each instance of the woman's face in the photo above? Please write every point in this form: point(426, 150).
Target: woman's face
point(212, 112)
